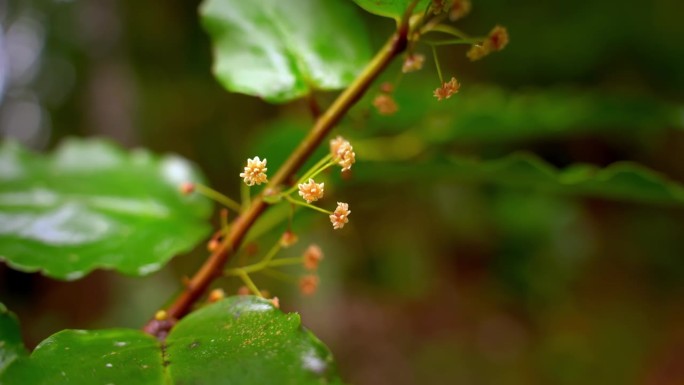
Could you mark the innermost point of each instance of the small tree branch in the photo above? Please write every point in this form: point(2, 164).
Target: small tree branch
point(214, 265)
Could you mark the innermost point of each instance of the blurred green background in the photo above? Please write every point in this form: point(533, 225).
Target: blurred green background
point(440, 277)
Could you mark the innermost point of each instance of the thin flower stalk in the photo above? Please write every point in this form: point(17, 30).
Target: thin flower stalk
point(215, 196)
point(439, 68)
point(322, 165)
point(279, 275)
point(250, 284)
point(245, 196)
point(304, 204)
point(316, 168)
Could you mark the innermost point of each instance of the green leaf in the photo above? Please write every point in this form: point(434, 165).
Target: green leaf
point(284, 49)
point(391, 8)
point(620, 181)
point(91, 205)
point(240, 340)
point(11, 345)
point(496, 116)
point(486, 115)
point(247, 340)
point(113, 356)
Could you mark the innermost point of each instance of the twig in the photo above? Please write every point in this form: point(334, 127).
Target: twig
point(213, 266)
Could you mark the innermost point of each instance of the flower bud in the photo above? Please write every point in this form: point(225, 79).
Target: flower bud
point(312, 257)
point(187, 188)
point(308, 284)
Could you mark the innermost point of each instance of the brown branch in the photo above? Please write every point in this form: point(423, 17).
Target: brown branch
point(214, 265)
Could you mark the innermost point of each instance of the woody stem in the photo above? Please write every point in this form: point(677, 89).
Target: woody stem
point(213, 266)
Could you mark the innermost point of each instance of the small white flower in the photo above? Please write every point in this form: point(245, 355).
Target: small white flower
point(342, 152)
point(255, 172)
point(341, 215)
point(311, 191)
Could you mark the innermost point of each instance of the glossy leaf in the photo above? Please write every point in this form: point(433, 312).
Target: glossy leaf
point(283, 49)
point(247, 340)
point(113, 356)
point(391, 8)
point(91, 205)
point(240, 340)
point(11, 345)
point(621, 181)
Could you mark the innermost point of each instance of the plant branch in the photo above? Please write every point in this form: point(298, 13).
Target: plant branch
point(213, 266)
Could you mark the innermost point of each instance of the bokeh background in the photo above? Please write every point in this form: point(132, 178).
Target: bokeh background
point(439, 278)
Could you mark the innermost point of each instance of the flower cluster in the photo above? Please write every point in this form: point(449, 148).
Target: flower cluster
point(447, 89)
point(413, 62)
point(437, 12)
point(341, 215)
point(308, 284)
point(255, 172)
point(312, 257)
point(385, 104)
point(288, 239)
point(439, 6)
point(459, 9)
point(342, 152)
point(216, 295)
point(495, 41)
point(311, 191)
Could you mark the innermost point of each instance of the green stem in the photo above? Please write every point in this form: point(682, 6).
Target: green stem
point(286, 261)
point(272, 253)
point(439, 68)
point(315, 167)
point(217, 196)
point(453, 42)
point(310, 173)
point(433, 24)
point(250, 284)
point(261, 265)
point(245, 197)
point(279, 275)
point(448, 29)
point(320, 170)
point(304, 204)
